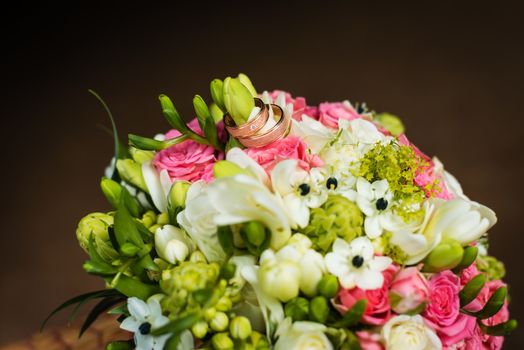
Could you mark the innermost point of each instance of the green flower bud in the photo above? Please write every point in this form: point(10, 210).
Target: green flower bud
point(111, 190)
point(178, 193)
point(162, 219)
point(200, 329)
point(210, 313)
point(391, 123)
point(238, 100)
point(297, 309)
point(254, 232)
point(337, 217)
point(244, 79)
point(216, 112)
point(224, 168)
point(97, 224)
point(224, 304)
point(155, 227)
point(197, 256)
point(141, 156)
point(148, 219)
point(217, 93)
point(328, 286)
point(318, 309)
point(446, 255)
point(222, 341)
point(171, 114)
point(131, 172)
point(220, 322)
point(240, 328)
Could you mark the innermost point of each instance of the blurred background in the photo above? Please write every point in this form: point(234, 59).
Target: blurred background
point(454, 71)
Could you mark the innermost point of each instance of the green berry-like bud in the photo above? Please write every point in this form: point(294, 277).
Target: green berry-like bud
point(200, 329)
point(178, 194)
point(97, 225)
point(391, 123)
point(220, 322)
point(328, 286)
point(222, 341)
point(240, 328)
point(445, 256)
point(491, 266)
point(209, 314)
point(337, 217)
point(148, 219)
point(318, 309)
point(255, 232)
point(224, 304)
point(162, 219)
point(154, 228)
point(297, 309)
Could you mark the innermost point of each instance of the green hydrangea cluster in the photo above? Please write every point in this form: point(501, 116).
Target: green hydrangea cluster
point(492, 267)
point(397, 164)
point(337, 217)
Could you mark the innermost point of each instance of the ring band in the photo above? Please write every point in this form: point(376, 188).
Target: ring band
point(251, 127)
point(278, 131)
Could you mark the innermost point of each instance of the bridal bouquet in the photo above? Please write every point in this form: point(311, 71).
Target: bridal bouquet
point(266, 223)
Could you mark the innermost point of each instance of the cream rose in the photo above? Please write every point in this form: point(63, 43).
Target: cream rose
point(302, 336)
point(409, 333)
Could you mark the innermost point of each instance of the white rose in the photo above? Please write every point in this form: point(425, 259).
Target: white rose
point(302, 336)
point(409, 333)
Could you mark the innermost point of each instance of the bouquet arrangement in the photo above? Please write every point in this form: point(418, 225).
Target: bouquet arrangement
point(266, 223)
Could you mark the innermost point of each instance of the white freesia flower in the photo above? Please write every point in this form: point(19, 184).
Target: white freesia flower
point(302, 335)
point(375, 201)
point(299, 190)
point(409, 333)
point(315, 134)
point(158, 185)
point(144, 317)
point(172, 244)
point(354, 264)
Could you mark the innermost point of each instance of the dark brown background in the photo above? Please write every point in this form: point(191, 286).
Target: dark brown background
point(453, 72)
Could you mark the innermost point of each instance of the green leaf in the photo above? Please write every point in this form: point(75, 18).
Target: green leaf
point(145, 143)
point(470, 255)
point(120, 152)
point(225, 238)
point(146, 262)
point(97, 265)
point(102, 306)
point(501, 329)
point(173, 342)
point(76, 300)
point(171, 114)
point(232, 143)
point(353, 316)
point(201, 110)
point(112, 190)
point(121, 345)
point(132, 287)
point(178, 325)
point(119, 310)
point(472, 289)
point(493, 305)
point(126, 230)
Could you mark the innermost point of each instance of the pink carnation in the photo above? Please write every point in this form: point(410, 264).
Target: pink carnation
point(331, 112)
point(290, 147)
point(411, 287)
point(443, 313)
point(369, 341)
point(188, 160)
point(378, 309)
point(299, 105)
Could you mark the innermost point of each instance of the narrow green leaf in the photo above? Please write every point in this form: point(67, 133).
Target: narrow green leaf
point(103, 294)
point(119, 310)
point(147, 263)
point(472, 289)
point(501, 329)
point(75, 300)
point(126, 230)
point(171, 114)
point(493, 305)
point(202, 111)
point(225, 238)
point(179, 324)
point(145, 143)
point(354, 315)
point(132, 287)
point(102, 306)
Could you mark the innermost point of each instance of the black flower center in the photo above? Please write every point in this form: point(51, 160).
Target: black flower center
point(332, 183)
point(304, 189)
point(381, 204)
point(357, 261)
point(145, 328)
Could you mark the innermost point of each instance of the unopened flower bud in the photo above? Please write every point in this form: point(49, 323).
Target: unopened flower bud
point(97, 225)
point(131, 172)
point(244, 79)
point(178, 194)
point(141, 156)
point(200, 329)
point(255, 232)
point(210, 313)
point(220, 322)
point(328, 286)
point(162, 219)
point(297, 309)
point(172, 244)
point(391, 123)
point(217, 93)
point(148, 219)
point(154, 227)
point(224, 304)
point(238, 100)
point(224, 168)
point(318, 309)
point(222, 341)
point(216, 112)
point(111, 190)
point(446, 255)
point(240, 328)
point(197, 256)
point(279, 278)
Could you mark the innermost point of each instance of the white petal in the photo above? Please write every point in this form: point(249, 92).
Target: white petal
point(341, 247)
point(130, 324)
point(380, 263)
point(362, 246)
point(372, 226)
point(152, 180)
point(336, 264)
point(364, 188)
point(380, 188)
point(239, 157)
point(348, 280)
point(137, 308)
point(369, 279)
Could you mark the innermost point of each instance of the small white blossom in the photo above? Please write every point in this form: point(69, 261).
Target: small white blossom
point(355, 264)
point(145, 317)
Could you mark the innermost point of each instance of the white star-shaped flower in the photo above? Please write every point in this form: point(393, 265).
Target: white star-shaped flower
point(355, 264)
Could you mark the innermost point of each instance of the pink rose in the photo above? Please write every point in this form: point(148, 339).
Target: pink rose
point(369, 341)
point(331, 112)
point(411, 287)
point(290, 147)
point(468, 274)
point(188, 160)
point(378, 310)
point(299, 105)
point(443, 313)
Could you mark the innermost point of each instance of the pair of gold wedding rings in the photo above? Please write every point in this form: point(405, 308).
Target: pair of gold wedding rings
point(249, 133)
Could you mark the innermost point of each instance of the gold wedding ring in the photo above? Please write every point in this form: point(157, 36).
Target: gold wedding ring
point(250, 127)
